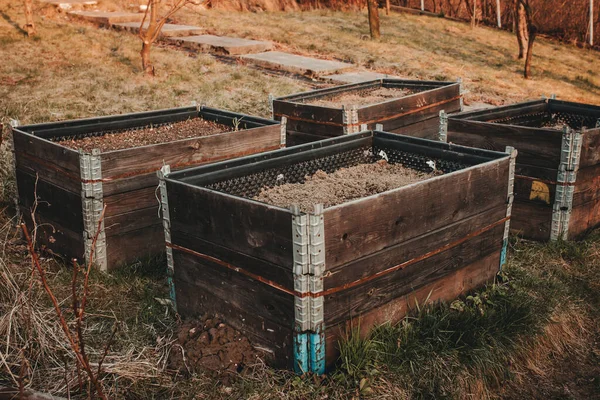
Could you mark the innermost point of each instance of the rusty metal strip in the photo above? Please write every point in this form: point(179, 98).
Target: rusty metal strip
point(328, 123)
point(347, 285)
point(548, 182)
point(146, 171)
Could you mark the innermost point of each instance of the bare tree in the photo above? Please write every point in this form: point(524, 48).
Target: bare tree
point(29, 24)
point(373, 19)
point(521, 28)
point(531, 30)
point(152, 24)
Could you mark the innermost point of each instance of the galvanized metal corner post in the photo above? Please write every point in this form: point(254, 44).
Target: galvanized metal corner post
point(443, 129)
point(92, 202)
point(271, 98)
point(350, 119)
point(283, 131)
point(566, 177)
point(316, 231)
point(461, 93)
point(166, 220)
point(510, 197)
point(14, 123)
point(301, 286)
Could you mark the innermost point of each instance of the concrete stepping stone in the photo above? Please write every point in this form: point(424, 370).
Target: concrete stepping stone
point(357, 77)
point(168, 30)
point(296, 64)
point(106, 18)
point(223, 44)
point(477, 106)
point(69, 4)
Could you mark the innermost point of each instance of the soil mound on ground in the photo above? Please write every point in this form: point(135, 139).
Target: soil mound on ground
point(209, 345)
point(342, 185)
point(190, 128)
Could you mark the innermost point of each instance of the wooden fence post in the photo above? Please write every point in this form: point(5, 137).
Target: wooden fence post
point(499, 13)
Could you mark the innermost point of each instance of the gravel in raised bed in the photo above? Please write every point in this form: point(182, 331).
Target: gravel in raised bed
point(361, 98)
point(342, 185)
point(190, 128)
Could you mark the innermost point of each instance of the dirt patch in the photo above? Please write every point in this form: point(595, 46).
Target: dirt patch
point(361, 98)
point(342, 185)
point(195, 127)
point(209, 345)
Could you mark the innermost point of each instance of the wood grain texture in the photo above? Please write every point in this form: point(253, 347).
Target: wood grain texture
point(61, 157)
point(590, 148)
point(129, 247)
point(427, 129)
point(368, 225)
point(448, 288)
point(531, 220)
point(252, 228)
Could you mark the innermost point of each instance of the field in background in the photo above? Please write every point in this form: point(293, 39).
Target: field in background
point(535, 333)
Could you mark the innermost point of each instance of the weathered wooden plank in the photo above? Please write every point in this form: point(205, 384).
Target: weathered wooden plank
point(133, 200)
point(389, 257)
point(511, 110)
point(536, 147)
point(418, 115)
point(53, 203)
point(394, 109)
point(275, 340)
point(531, 220)
point(587, 186)
point(352, 302)
point(315, 127)
point(584, 217)
point(590, 148)
point(280, 275)
point(189, 152)
point(231, 287)
point(140, 244)
point(249, 227)
point(533, 190)
point(64, 159)
point(309, 112)
point(426, 129)
point(131, 221)
point(448, 288)
point(365, 226)
point(294, 138)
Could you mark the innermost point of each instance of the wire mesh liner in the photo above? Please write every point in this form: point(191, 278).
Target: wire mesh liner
point(250, 185)
point(545, 119)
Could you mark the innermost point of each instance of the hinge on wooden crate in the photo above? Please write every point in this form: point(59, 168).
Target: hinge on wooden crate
point(282, 132)
point(350, 119)
point(271, 109)
point(570, 149)
point(461, 92)
point(300, 241)
point(166, 219)
point(443, 129)
point(301, 352)
point(378, 127)
point(316, 231)
point(362, 128)
point(509, 202)
point(14, 123)
point(598, 123)
point(92, 202)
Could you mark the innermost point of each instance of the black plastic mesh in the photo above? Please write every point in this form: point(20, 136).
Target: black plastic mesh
point(250, 185)
point(545, 119)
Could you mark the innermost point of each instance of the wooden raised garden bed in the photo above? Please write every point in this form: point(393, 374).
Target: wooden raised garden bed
point(73, 186)
point(295, 281)
point(557, 182)
point(399, 106)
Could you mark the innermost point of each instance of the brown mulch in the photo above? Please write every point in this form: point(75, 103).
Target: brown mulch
point(195, 127)
point(210, 345)
point(361, 98)
point(342, 185)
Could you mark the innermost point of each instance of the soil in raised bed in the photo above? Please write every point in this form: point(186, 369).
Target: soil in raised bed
point(209, 345)
point(190, 128)
point(361, 98)
point(342, 185)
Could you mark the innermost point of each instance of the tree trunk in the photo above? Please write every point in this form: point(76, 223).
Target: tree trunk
point(532, 34)
point(29, 25)
point(521, 29)
point(373, 19)
point(387, 7)
point(146, 64)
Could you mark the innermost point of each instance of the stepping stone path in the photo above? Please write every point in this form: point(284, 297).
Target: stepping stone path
point(68, 4)
point(296, 64)
point(168, 30)
point(357, 77)
point(107, 18)
point(223, 44)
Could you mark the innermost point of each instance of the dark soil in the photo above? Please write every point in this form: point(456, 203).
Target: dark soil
point(342, 185)
point(362, 98)
point(195, 127)
point(211, 346)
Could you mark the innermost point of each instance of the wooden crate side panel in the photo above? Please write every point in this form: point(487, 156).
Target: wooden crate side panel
point(426, 129)
point(267, 314)
point(294, 138)
point(190, 152)
point(360, 228)
point(52, 236)
point(534, 191)
point(252, 228)
point(447, 288)
point(63, 158)
point(536, 147)
point(590, 148)
point(390, 257)
point(444, 96)
point(584, 217)
point(357, 300)
point(246, 264)
point(531, 220)
point(313, 127)
point(307, 112)
point(49, 172)
point(53, 203)
point(131, 221)
point(140, 244)
point(587, 185)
